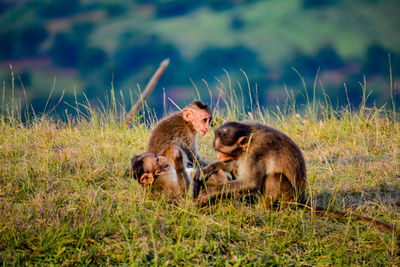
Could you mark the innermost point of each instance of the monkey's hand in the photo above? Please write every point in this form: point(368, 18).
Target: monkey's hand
point(205, 173)
point(202, 197)
point(198, 176)
point(212, 169)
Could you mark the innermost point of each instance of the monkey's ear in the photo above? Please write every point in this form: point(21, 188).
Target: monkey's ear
point(243, 141)
point(187, 114)
point(146, 178)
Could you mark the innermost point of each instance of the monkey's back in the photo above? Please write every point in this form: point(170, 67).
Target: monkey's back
point(173, 130)
point(280, 153)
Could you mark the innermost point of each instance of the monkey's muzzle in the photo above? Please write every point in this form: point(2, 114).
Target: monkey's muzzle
point(224, 157)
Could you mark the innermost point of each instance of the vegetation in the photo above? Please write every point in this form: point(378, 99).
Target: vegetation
point(64, 198)
point(89, 44)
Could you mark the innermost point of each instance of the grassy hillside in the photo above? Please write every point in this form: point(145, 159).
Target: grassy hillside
point(271, 28)
point(64, 198)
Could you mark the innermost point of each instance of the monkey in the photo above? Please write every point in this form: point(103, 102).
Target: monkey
point(181, 129)
point(152, 169)
point(273, 165)
point(268, 163)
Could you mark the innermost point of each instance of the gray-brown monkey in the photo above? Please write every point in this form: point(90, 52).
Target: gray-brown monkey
point(268, 163)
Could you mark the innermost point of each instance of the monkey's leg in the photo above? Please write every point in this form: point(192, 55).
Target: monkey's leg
point(169, 154)
point(232, 187)
point(277, 189)
point(219, 177)
point(234, 173)
point(176, 158)
point(214, 169)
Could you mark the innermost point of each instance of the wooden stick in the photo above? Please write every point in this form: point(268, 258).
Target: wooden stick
point(147, 91)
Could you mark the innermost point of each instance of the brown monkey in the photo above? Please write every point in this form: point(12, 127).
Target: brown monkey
point(152, 169)
point(269, 163)
point(181, 129)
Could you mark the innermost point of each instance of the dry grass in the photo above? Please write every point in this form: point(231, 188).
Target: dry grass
point(64, 198)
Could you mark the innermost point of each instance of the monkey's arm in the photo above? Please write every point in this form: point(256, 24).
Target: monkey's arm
point(182, 175)
point(232, 187)
point(200, 161)
point(194, 158)
point(213, 168)
point(202, 175)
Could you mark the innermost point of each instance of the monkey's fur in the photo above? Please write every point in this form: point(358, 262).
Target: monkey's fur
point(174, 130)
point(269, 163)
point(151, 169)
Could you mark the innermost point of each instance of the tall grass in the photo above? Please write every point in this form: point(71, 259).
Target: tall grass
point(64, 198)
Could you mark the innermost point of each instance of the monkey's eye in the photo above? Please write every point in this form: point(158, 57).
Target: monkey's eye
point(205, 119)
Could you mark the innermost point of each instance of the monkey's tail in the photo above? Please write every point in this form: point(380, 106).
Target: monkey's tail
point(323, 212)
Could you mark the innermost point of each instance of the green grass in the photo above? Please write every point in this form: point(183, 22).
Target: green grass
point(64, 198)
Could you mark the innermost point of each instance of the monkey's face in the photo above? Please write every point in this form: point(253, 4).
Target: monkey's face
point(201, 122)
point(153, 165)
point(156, 164)
point(231, 140)
point(199, 118)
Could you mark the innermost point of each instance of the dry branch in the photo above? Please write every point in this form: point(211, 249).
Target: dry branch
point(147, 91)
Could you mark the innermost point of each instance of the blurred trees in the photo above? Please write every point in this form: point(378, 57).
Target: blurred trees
point(65, 50)
point(213, 59)
point(377, 60)
point(22, 40)
point(139, 55)
point(59, 8)
point(61, 31)
point(326, 58)
point(318, 3)
point(67, 47)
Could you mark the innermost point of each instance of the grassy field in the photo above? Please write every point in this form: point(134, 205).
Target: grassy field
point(64, 198)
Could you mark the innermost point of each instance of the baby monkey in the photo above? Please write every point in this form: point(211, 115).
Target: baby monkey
point(172, 181)
point(151, 169)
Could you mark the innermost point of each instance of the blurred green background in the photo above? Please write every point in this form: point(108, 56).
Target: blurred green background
point(76, 46)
